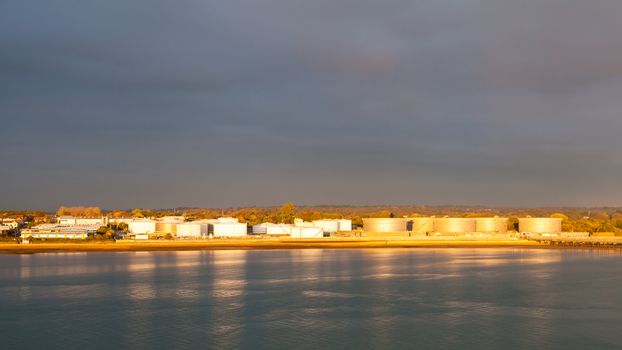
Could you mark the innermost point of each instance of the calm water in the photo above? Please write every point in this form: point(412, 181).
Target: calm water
point(316, 299)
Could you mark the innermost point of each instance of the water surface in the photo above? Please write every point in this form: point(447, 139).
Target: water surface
point(283, 299)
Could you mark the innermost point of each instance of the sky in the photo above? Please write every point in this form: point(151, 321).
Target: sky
point(194, 103)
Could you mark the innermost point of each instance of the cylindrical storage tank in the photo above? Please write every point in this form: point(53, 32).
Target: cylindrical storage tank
point(423, 225)
point(278, 229)
point(384, 224)
point(540, 225)
point(345, 224)
point(306, 232)
point(144, 226)
point(260, 229)
point(454, 225)
point(166, 227)
point(491, 225)
point(191, 229)
point(229, 229)
point(327, 225)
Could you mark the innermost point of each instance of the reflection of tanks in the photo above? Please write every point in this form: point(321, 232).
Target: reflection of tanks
point(384, 224)
point(491, 225)
point(540, 225)
point(454, 225)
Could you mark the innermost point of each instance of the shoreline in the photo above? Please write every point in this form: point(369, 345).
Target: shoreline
point(265, 244)
point(285, 243)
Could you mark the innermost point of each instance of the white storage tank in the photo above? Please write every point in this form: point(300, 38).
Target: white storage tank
point(260, 229)
point(278, 229)
point(454, 225)
point(229, 229)
point(142, 226)
point(191, 230)
point(327, 225)
point(540, 225)
point(491, 225)
point(345, 224)
point(306, 232)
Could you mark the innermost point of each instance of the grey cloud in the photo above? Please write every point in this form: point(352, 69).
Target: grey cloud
point(157, 103)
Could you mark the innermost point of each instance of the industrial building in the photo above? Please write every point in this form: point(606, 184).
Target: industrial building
point(56, 231)
point(71, 220)
point(540, 225)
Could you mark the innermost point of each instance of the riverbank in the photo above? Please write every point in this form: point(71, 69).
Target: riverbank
point(284, 243)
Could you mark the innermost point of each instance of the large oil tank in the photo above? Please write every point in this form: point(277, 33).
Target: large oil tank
point(384, 224)
point(142, 226)
point(491, 225)
point(166, 227)
point(423, 225)
point(540, 225)
point(191, 229)
point(327, 225)
point(454, 225)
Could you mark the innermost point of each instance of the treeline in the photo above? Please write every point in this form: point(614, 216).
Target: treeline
point(87, 212)
point(574, 219)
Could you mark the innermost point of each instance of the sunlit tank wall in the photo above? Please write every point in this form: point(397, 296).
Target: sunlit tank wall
point(491, 225)
point(384, 224)
point(166, 227)
point(306, 232)
point(422, 225)
point(345, 224)
point(327, 225)
point(454, 225)
point(229, 229)
point(540, 225)
point(142, 226)
point(191, 229)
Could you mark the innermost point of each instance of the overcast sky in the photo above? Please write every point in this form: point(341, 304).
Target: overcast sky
point(147, 103)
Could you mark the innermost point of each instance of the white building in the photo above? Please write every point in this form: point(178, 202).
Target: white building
point(71, 220)
point(57, 231)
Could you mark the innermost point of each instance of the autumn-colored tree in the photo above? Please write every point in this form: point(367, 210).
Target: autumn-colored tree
point(286, 213)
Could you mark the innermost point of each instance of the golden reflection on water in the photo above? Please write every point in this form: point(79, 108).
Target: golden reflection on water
point(229, 289)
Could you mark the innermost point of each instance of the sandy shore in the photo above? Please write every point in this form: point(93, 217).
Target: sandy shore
point(221, 244)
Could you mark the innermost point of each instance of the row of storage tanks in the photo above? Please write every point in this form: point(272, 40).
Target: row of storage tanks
point(445, 225)
point(221, 227)
point(302, 229)
point(230, 227)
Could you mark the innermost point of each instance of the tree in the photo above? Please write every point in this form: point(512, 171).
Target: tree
point(287, 212)
point(137, 213)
